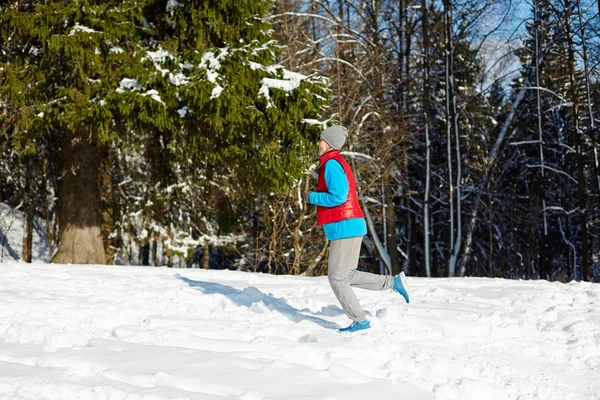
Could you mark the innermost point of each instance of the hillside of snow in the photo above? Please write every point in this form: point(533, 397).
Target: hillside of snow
point(114, 332)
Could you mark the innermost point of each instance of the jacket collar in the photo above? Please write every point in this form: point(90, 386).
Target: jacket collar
point(329, 155)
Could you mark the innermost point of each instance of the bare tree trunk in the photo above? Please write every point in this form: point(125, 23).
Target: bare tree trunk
point(581, 195)
point(145, 253)
point(544, 266)
point(426, 100)
point(404, 73)
point(490, 232)
point(592, 127)
point(155, 249)
point(80, 238)
point(168, 251)
point(385, 257)
point(390, 217)
point(458, 180)
point(453, 114)
point(448, 87)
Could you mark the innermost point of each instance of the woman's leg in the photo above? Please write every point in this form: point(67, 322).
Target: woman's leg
point(343, 260)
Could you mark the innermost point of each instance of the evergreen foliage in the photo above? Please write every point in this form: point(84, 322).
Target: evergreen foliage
point(190, 82)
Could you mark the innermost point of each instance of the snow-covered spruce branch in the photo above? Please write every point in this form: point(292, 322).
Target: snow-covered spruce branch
point(552, 169)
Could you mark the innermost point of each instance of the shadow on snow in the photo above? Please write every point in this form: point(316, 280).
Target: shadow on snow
point(4, 244)
point(251, 295)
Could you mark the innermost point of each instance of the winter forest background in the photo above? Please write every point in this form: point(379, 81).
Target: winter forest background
point(182, 133)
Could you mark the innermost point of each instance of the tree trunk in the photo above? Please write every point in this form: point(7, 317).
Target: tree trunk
point(46, 207)
point(106, 188)
point(145, 253)
point(206, 255)
point(80, 238)
point(383, 254)
point(404, 55)
point(491, 273)
point(591, 122)
point(581, 195)
point(448, 88)
point(28, 236)
point(544, 266)
point(426, 100)
point(155, 249)
point(390, 216)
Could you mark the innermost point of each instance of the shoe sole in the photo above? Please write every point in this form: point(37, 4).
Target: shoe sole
point(358, 330)
point(355, 332)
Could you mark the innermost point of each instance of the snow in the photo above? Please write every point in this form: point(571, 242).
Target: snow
point(216, 92)
point(183, 111)
point(282, 84)
point(178, 79)
point(91, 332)
point(311, 121)
point(159, 56)
point(115, 50)
point(172, 4)
point(289, 83)
point(80, 28)
point(127, 83)
point(212, 63)
point(153, 93)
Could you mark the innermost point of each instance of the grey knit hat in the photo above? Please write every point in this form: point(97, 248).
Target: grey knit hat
point(335, 136)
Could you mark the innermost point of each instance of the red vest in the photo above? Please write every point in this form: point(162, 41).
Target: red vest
point(347, 210)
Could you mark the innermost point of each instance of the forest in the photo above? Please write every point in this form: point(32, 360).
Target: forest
point(182, 133)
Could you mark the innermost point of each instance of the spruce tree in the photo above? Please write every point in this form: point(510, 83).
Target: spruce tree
point(194, 79)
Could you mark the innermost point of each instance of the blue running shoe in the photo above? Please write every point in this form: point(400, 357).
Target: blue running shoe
point(357, 326)
point(400, 286)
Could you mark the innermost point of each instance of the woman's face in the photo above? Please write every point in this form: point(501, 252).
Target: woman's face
point(323, 147)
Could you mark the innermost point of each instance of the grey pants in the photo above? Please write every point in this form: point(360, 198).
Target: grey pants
point(343, 261)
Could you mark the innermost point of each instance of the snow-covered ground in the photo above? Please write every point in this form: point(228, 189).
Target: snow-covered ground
point(106, 332)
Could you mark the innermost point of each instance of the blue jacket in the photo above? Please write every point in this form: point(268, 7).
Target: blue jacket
point(337, 186)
